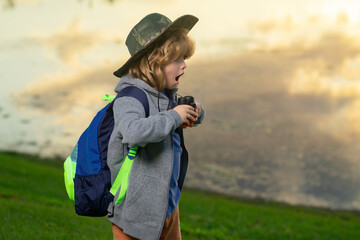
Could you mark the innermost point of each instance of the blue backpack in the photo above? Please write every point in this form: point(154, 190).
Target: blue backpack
point(86, 173)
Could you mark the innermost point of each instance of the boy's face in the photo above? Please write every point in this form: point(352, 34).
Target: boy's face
point(173, 71)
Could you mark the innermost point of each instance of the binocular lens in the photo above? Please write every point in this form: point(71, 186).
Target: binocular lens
point(187, 100)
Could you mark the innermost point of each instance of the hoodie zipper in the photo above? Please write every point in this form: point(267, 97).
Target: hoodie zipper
point(171, 169)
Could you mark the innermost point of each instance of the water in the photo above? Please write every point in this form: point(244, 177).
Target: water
point(281, 91)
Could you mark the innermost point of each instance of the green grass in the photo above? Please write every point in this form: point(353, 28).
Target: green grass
point(34, 205)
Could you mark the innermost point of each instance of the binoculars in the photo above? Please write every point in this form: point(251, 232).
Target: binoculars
point(187, 100)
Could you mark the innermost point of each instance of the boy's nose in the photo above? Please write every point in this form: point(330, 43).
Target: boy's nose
point(183, 64)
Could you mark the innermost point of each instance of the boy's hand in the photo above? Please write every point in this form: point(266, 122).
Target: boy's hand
point(187, 113)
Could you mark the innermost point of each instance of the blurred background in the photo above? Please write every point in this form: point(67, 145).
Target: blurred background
point(279, 80)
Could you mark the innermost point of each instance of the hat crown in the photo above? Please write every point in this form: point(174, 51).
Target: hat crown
point(152, 29)
point(147, 30)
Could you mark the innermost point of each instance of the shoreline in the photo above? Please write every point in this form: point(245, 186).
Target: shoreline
point(59, 161)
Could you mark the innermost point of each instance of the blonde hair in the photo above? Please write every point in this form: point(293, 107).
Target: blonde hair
point(179, 44)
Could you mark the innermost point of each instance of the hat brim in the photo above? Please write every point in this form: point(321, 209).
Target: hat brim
point(184, 22)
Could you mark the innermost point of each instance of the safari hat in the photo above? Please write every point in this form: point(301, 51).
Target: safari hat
point(152, 29)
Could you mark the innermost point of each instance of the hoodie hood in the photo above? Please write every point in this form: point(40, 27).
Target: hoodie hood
point(128, 80)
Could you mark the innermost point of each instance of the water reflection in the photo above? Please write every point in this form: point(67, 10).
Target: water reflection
point(282, 99)
point(12, 3)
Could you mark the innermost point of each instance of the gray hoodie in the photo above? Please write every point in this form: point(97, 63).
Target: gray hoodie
point(142, 212)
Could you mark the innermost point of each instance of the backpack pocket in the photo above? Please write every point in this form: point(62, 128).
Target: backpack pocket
point(92, 194)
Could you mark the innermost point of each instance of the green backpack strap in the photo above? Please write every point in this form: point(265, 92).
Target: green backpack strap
point(122, 178)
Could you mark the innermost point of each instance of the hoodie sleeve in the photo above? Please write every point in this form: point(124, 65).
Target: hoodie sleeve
point(137, 130)
point(201, 118)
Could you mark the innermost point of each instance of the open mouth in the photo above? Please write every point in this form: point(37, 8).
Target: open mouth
point(177, 78)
